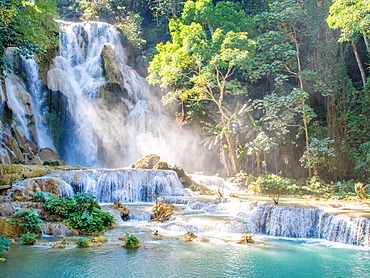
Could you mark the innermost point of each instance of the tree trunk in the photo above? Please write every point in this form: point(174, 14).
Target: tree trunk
point(359, 64)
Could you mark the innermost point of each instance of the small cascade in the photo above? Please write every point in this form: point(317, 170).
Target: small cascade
point(56, 229)
point(139, 213)
point(243, 216)
point(125, 185)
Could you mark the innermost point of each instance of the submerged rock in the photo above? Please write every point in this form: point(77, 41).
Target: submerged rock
point(245, 239)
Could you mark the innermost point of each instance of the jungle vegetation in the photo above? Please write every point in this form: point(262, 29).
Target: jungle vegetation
point(280, 87)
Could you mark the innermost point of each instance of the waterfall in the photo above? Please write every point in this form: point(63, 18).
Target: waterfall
point(18, 99)
point(124, 185)
point(37, 93)
point(25, 96)
point(115, 115)
point(242, 216)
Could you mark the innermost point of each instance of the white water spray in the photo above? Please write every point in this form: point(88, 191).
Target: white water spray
point(111, 134)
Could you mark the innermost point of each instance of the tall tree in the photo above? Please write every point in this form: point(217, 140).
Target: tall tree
point(199, 64)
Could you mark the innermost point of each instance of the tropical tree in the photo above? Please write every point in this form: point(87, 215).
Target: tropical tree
point(200, 62)
point(352, 17)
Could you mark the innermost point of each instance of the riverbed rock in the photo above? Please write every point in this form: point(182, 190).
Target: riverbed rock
point(123, 210)
point(61, 244)
point(18, 196)
point(189, 236)
point(245, 239)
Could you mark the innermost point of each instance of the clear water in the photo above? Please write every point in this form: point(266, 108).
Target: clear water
point(268, 257)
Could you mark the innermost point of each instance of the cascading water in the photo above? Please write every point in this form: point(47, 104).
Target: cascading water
point(115, 116)
point(17, 97)
point(34, 85)
point(25, 97)
point(119, 185)
point(242, 216)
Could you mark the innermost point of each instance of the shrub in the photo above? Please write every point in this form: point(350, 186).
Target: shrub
point(28, 218)
point(132, 241)
point(81, 212)
point(82, 242)
point(4, 244)
point(28, 239)
point(42, 196)
point(273, 186)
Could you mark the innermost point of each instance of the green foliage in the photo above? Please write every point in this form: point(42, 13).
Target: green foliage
point(82, 242)
point(166, 8)
point(28, 218)
point(81, 212)
point(272, 185)
point(28, 239)
point(351, 17)
point(4, 244)
point(130, 27)
point(317, 154)
point(42, 196)
point(40, 34)
point(132, 240)
point(201, 62)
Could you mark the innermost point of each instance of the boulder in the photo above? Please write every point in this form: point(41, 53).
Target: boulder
point(189, 236)
point(18, 196)
point(47, 154)
point(123, 210)
point(147, 162)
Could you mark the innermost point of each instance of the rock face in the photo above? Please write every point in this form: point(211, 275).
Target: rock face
point(113, 91)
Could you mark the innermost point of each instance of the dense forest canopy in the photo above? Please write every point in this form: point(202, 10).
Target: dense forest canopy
point(279, 87)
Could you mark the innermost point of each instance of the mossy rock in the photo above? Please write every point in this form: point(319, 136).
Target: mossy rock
point(189, 236)
point(147, 162)
point(7, 229)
